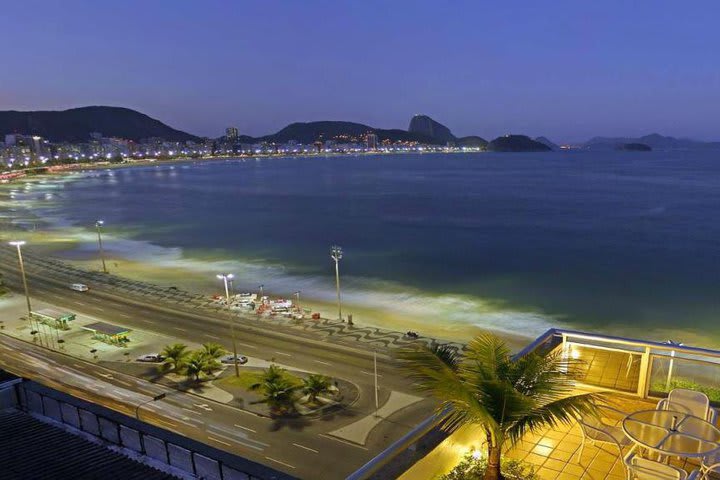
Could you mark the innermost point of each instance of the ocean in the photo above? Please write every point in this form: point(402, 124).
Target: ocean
point(618, 242)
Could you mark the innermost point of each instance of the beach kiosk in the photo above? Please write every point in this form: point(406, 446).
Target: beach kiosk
point(55, 318)
point(109, 333)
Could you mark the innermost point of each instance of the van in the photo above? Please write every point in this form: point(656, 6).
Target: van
point(79, 287)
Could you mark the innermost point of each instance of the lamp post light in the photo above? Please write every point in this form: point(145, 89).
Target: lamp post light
point(99, 224)
point(297, 295)
point(336, 254)
point(18, 244)
point(157, 397)
point(225, 277)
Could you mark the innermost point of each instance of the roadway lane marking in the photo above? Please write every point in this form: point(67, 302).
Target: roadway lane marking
point(342, 441)
point(204, 406)
point(369, 373)
point(213, 336)
point(170, 424)
point(127, 384)
point(323, 363)
point(79, 303)
point(219, 441)
point(281, 463)
point(246, 345)
point(98, 308)
point(286, 354)
point(191, 411)
point(179, 329)
point(245, 428)
point(235, 440)
point(78, 365)
point(306, 448)
point(124, 315)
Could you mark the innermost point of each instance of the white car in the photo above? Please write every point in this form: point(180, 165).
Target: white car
point(79, 287)
point(229, 359)
point(151, 357)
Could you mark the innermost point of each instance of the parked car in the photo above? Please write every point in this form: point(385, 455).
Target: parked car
point(151, 357)
point(229, 359)
point(79, 287)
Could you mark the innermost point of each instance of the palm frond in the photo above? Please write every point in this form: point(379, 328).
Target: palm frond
point(559, 411)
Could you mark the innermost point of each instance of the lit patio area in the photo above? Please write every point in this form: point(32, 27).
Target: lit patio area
point(633, 374)
point(553, 452)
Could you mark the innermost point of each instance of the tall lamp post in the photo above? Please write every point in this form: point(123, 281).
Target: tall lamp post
point(225, 277)
point(157, 397)
point(99, 224)
point(18, 244)
point(336, 254)
point(297, 295)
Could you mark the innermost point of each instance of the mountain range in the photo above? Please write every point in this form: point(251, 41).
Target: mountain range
point(76, 125)
point(654, 140)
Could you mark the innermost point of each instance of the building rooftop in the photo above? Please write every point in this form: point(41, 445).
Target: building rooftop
point(31, 449)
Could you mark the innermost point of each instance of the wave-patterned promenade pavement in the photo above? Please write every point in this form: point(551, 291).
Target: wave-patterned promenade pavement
point(175, 298)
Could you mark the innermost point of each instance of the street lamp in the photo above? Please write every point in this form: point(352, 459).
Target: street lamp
point(18, 244)
point(336, 254)
point(99, 224)
point(225, 277)
point(157, 397)
point(297, 295)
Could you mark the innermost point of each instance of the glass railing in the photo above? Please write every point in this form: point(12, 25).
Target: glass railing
point(639, 367)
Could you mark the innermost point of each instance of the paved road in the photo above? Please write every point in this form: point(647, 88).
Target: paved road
point(299, 448)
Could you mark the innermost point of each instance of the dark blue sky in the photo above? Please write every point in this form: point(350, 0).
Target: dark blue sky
point(565, 69)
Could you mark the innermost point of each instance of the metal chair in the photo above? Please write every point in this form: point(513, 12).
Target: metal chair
point(596, 430)
point(689, 401)
point(710, 464)
point(639, 468)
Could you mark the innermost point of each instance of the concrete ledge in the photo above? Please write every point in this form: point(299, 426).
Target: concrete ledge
point(109, 430)
point(232, 474)
point(180, 457)
point(130, 439)
point(155, 448)
point(70, 415)
point(89, 422)
point(34, 402)
point(206, 468)
point(52, 408)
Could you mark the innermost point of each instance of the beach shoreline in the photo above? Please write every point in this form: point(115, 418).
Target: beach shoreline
point(449, 317)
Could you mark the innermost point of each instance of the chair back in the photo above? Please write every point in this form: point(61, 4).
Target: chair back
point(688, 401)
point(645, 469)
point(594, 429)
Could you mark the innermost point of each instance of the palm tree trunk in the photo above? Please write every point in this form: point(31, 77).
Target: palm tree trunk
point(493, 469)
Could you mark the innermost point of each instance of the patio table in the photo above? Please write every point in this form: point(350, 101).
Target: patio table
point(672, 434)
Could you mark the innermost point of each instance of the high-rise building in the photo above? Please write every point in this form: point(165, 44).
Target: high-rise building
point(231, 134)
point(372, 141)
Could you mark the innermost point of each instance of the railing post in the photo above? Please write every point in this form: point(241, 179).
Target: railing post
point(643, 378)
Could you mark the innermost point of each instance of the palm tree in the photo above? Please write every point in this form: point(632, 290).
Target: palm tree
point(212, 352)
point(278, 391)
point(314, 385)
point(196, 364)
point(508, 397)
point(175, 356)
point(280, 395)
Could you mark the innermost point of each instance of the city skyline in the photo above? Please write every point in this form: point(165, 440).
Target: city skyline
point(565, 71)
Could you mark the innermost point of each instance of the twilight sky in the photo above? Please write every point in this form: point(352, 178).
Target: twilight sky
point(565, 69)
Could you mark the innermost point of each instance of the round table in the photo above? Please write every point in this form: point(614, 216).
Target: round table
point(672, 434)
